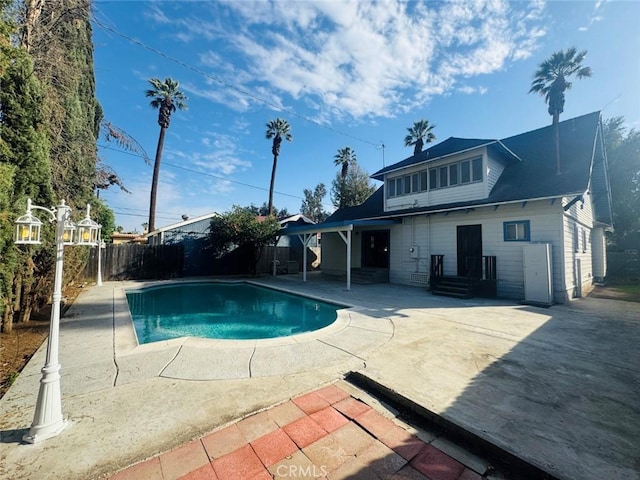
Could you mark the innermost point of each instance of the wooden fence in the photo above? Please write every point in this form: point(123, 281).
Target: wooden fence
point(131, 261)
point(155, 262)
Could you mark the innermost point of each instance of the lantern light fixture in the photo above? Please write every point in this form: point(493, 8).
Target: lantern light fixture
point(87, 230)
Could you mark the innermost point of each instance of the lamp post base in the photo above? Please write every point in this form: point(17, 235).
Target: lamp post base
point(44, 432)
point(47, 420)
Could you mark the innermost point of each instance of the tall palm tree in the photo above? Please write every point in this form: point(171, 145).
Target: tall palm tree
point(550, 81)
point(344, 159)
point(419, 134)
point(166, 98)
point(276, 129)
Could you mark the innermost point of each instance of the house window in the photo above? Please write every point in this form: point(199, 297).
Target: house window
point(433, 178)
point(584, 240)
point(407, 184)
point(476, 169)
point(453, 174)
point(576, 239)
point(391, 188)
point(519, 231)
point(465, 171)
point(414, 182)
point(423, 181)
point(444, 171)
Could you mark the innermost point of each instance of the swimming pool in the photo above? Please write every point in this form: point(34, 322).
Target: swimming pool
point(237, 311)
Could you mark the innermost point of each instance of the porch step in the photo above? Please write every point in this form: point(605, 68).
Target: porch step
point(458, 287)
point(369, 275)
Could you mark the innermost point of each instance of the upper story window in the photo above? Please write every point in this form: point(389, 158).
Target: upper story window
point(518, 231)
point(407, 184)
point(449, 175)
point(458, 173)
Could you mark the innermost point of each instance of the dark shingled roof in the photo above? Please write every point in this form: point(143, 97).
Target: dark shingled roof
point(532, 175)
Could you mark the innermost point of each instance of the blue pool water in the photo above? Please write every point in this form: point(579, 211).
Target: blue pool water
point(224, 310)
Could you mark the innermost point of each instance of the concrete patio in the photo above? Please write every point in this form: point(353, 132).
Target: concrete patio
point(557, 387)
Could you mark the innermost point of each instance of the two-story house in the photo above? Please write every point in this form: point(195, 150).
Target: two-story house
point(472, 209)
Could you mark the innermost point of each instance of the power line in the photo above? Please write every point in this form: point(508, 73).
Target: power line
point(206, 174)
point(229, 85)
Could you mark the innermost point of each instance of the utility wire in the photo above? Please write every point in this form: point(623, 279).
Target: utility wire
point(206, 174)
point(229, 85)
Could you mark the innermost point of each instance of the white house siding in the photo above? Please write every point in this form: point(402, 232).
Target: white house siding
point(578, 221)
point(599, 249)
point(412, 232)
point(436, 235)
point(334, 254)
point(494, 170)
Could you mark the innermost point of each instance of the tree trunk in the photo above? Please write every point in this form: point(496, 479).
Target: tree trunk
point(7, 320)
point(271, 185)
point(556, 128)
point(33, 10)
point(154, 183)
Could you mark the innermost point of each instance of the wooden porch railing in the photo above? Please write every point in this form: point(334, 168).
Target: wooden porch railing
point(436, 270)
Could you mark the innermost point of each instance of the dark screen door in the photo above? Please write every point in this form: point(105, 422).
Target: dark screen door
point(375, 249)
point(469, 251)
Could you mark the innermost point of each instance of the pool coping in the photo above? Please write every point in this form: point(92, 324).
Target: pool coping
point(253, 357)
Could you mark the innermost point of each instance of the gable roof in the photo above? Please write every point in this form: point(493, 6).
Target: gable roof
point(532, 176)
point(536, 176)
point(450, 146)
point(184, 223)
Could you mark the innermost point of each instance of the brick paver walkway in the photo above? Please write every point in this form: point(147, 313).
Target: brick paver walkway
point(324, 434)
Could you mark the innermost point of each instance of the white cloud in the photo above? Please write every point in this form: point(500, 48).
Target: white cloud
point(356, 58)
point(595, 16)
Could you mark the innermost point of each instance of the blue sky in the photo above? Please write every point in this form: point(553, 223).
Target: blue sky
point(343, 74)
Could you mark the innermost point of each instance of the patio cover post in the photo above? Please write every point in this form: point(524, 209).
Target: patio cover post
point(347, 240)
point(275, 256)
point(305, 239)
point(348, 260)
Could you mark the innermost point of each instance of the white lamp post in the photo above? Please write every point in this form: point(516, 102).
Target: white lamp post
point(100, 247)
point(48, 421)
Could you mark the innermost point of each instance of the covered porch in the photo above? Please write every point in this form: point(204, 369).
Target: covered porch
point(374, 259)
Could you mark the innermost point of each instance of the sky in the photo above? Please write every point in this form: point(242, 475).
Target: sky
point(343, 74)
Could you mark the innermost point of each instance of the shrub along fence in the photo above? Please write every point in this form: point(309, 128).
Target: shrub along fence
point(623, 267)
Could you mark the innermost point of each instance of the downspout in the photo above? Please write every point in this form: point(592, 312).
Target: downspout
point(428, 245)
point(563, 243)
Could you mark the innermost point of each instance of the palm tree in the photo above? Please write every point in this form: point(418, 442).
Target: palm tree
point(276, 129)
point(418, 135)
point(166, 98)
point(344, 159)
point(550, 81)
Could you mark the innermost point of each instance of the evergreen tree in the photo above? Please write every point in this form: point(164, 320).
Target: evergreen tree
point(623, 154)
point(312, 207)
point(241, 229)
point(352, 190)
point(25, 171)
